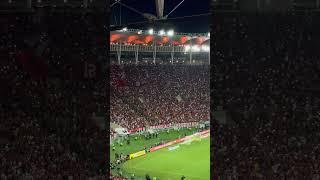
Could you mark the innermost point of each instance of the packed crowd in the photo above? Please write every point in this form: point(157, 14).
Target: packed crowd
point(267, 78)
point(46, 108)
point(150, 95)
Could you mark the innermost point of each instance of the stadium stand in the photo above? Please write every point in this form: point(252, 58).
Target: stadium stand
point(267, 77)
point(46, 131)
point(151, 95)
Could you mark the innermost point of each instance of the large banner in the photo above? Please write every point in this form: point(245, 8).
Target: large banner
point(201, 135)
point(137, 154)
point(180, 125)
point(164, 126)
point(135, 130)
point(162, 146)
point(166, 144)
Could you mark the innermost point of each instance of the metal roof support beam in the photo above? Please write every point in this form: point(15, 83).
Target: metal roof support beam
point(115, 3)
point(174, 9)
point(160, 8)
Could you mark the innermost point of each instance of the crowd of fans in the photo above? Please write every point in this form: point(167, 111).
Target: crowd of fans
point(267, 78)
point(158, 94)
point(151, 95)
point(46, 106)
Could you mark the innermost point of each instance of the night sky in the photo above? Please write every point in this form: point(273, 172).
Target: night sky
point(187, 8)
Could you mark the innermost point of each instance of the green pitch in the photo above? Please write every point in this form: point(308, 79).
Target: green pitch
point(189, 160)
point(139, 143)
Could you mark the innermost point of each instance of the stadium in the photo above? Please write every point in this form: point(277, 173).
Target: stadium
point(159, 104)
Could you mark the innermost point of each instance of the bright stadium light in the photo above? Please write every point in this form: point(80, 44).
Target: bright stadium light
point(150, 31)
point(205, 48)
point(139, 32)
point(125, 29)
point(161, 32)
point(195, 48)
point(186, 48)
point(170, 33)
point(208, 34)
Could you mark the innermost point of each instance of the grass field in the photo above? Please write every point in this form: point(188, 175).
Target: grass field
point(191, 160)
point(141, 142)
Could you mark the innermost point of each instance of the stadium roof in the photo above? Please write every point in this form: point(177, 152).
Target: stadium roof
point(139, 37)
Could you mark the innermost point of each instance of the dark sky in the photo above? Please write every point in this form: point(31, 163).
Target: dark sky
point(187, 8)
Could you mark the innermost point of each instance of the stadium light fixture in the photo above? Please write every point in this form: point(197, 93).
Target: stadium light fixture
point(208, 34)
point(205, 48)
point(150, 31)
point(195, 48)
point(187, 48)
point(170, 33)
point(139, 32)
point(125, 29)
point(161, 32)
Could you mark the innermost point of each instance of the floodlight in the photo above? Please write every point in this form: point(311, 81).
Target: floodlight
point(139, 32)
point(205, 48)
point(161, 32)
point(170, 33)
point(125, 29)
point(208, 34)
point(187, 48)
point(150, 31)
point(195, 48)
